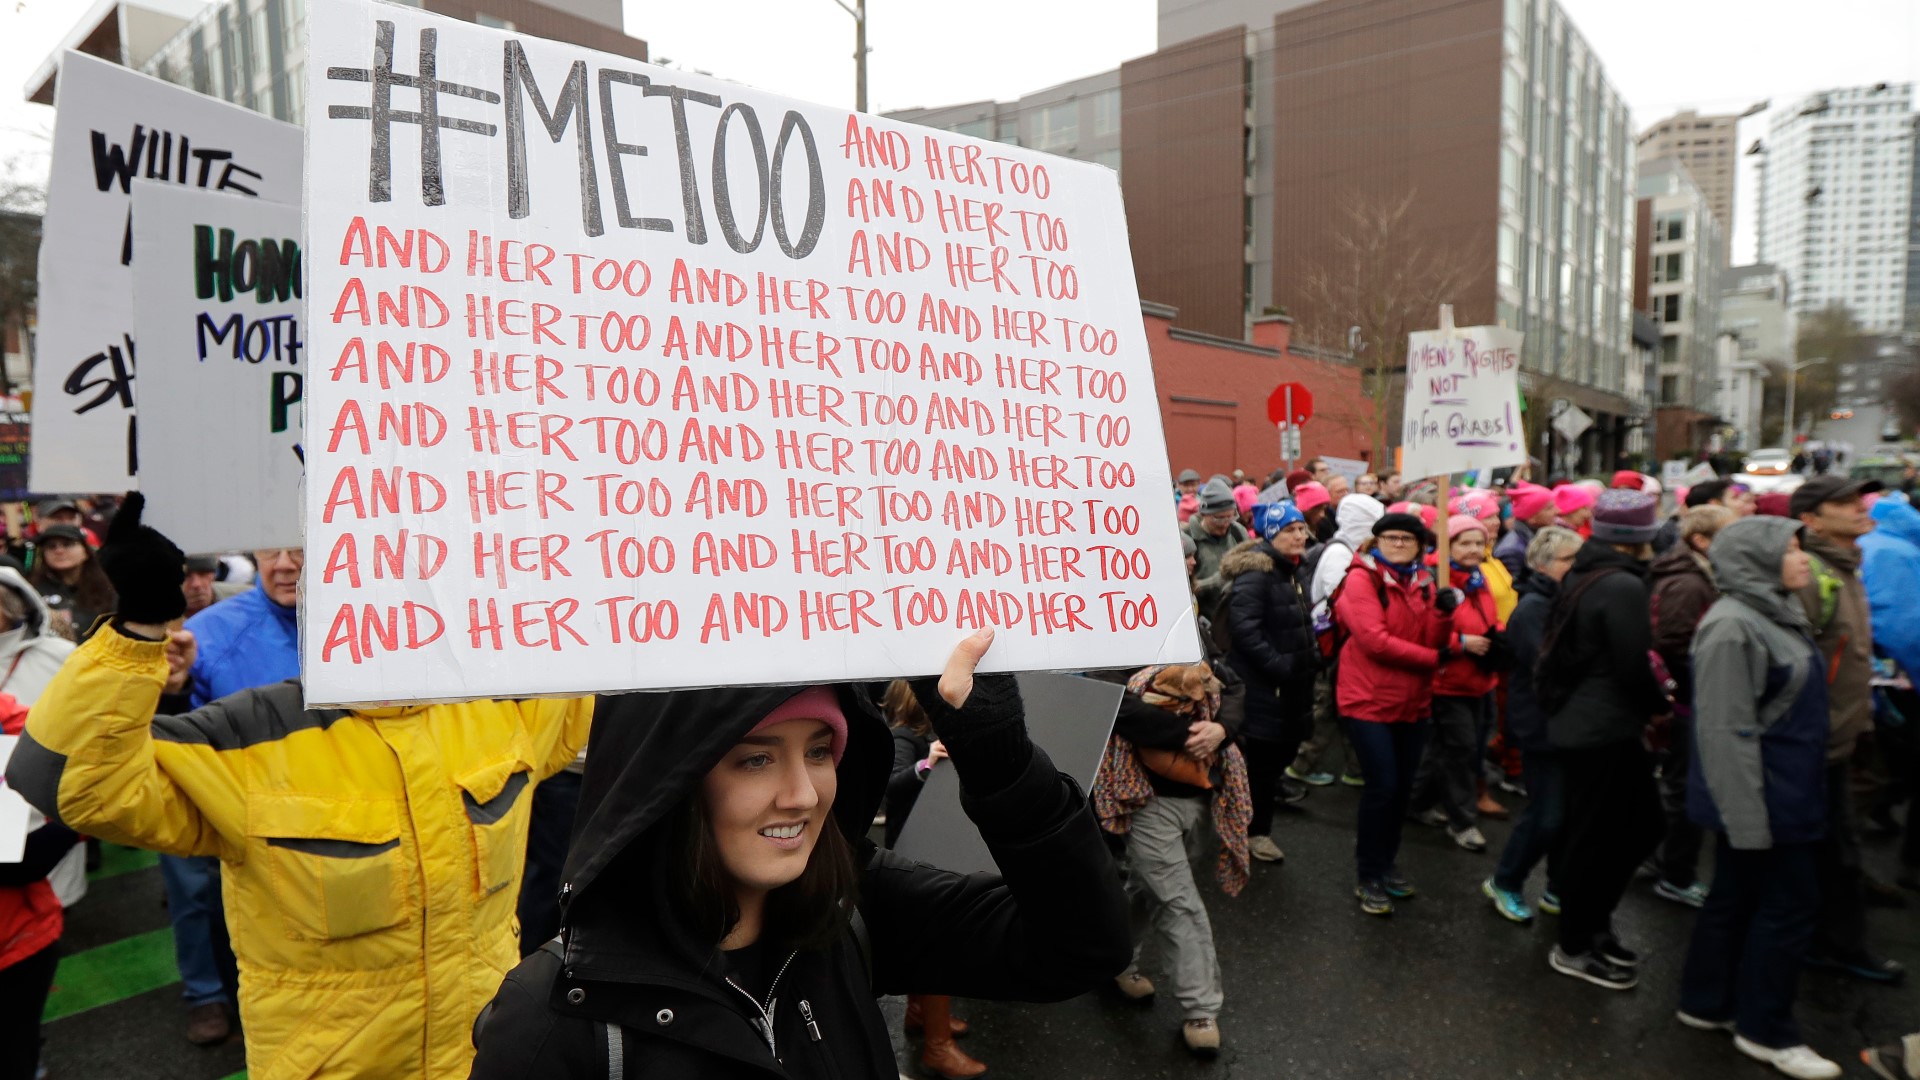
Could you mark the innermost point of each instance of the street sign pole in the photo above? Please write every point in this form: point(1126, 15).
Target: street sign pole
point(1286, 450)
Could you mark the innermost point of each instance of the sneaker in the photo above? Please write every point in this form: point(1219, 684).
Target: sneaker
point(1511, 786)
point(1701, 1023)
point(1353, 779)
point(1549, 903)
point(1468, 838)
point(1202, 1036)
point(1312, 779)
point(1693, 896)
point(1799, 1062)
point(1133, 986)
point(1264, 849)
point(1866, 968)
point(1431, 816)
point(1373, 899)
point(1593, 968)
point(1292, 792)
point(1511, 905)
point(1616, 954)
point(1397, 886)
point(1890, 1062)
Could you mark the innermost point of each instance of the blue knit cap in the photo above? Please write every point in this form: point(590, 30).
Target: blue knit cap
point(1270, 518)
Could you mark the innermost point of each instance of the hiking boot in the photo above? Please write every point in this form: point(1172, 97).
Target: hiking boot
point(1312, 779)
point(1549, 903)
point(1373, 899)
point(1264, 849)
point(207, 1025)
point(1593, 968)
point(1468, 838)
point(915, 1025)
point(1701, 1023)
point(1397, 886)
point(1133, 986)
point(1353, 779)
point(1615, 953)
point(1693, 896)
point(1511, 905)
point(1799, 1062)
point(1202, 1036)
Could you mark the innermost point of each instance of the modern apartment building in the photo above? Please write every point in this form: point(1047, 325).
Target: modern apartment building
point(1677, 283)
point(1837, 201)
point(1709, 146)
point(1078, 119)
point(253, 52)
point(1756, 314)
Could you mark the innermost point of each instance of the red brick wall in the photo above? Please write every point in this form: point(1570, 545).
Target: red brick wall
point(1213, 399)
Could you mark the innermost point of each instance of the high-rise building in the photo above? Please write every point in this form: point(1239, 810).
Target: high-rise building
point(1078, 119)
point(1837, 201)
point(1677, 283)
point(1709, 147)
point(253, 52)
point(1756, 313)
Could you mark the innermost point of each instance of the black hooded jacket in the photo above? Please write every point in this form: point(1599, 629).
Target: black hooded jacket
point(628, 983)
point(1608, 633)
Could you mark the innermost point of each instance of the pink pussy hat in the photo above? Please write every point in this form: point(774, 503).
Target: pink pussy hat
point(1569, 498)
point(815, 703)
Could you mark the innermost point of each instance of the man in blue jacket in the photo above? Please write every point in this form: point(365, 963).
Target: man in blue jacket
point(250, 640)
point(1890, 568)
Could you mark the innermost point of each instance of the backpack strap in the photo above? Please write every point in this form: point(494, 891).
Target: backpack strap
point(1830, 588)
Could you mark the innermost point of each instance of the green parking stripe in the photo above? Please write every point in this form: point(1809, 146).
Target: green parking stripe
point(241, 1075)
point(110, 973)
point(116, 860)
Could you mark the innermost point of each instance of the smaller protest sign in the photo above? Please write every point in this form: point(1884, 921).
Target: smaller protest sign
point(14, 811)
point(16, 434)
point(1463, 399)
point(1069, 717)
point(218, 310)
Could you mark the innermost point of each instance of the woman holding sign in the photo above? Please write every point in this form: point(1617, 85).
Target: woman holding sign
point(711, 927)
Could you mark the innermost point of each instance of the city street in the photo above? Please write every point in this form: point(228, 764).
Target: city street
point(1444, 990)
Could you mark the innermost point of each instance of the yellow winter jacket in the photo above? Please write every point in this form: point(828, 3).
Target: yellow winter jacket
point(1500, 584)
point(372, 859)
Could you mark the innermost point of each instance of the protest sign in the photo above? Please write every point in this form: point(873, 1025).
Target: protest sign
point(16, 431)
point(15, 814)
point(112, 125)
point(1463, 400)
point(217, 310)
point(1068, 716)
point(632, 378)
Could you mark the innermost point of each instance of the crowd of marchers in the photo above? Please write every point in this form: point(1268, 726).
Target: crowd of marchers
point(1657, 682)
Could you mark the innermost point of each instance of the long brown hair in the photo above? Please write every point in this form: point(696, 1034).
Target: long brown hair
point(808, 912)
point(903, 709)
point(90, 591)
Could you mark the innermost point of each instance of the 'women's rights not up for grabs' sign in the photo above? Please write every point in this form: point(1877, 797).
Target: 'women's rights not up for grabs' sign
point(624, 378)
point(1463, 400)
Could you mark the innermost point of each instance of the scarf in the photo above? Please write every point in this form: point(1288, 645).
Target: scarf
point(1470, 580)
point(1405, 570)
point(1121, 787)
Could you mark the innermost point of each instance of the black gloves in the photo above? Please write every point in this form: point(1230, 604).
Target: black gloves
point(1448, 599)
point(987, 737)
point(145, 567)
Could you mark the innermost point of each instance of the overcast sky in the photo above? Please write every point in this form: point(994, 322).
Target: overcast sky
point(1663, 55)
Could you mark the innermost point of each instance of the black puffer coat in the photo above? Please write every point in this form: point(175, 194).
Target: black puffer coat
point(630, 982)
point(1273, 646)
point(1608, 637)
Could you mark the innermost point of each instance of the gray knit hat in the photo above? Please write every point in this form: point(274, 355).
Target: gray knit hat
point(1624, 516)
point(1217, 496)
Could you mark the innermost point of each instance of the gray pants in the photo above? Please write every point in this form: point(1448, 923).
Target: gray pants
point(1326, 728)
point(1450, 773)
point(1166, 835)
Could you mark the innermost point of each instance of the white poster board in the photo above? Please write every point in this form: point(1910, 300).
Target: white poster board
point(112, 125)
point(664, 381)
point(16, 817)
point(218, 312)
point(1463, 400)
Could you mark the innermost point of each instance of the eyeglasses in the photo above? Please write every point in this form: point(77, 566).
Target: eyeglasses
point(1398, 538)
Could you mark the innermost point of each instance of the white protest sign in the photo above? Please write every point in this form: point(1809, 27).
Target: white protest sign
point(628, 378)
point(217, 310)
point(16, 817)
point(1463, 400)
point(112, 125)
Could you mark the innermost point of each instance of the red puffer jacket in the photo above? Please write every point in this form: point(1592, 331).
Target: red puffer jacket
point(1462, 676)
point(1391, 652)
point(30, 916)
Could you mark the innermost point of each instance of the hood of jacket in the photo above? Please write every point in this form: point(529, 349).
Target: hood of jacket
point(1538, 585)
point(1598, 555)
point(1681, 560)
point(649, 752)
point(1252, 557)
point(37, 610)
point(1355, 520)
point(1896, 518)
point(1746, 563)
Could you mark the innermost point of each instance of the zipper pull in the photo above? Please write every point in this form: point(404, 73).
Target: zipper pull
point(806, 1013)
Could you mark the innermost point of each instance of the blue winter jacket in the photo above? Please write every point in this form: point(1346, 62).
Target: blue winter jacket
point(1890, 567)
point(245, 641)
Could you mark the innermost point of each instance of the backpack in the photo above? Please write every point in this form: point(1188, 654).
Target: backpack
point(1310, 565)
point(1557, 671)
point(1328, 633)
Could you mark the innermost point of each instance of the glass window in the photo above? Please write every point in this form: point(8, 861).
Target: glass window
point(1059, 125)
point(1106, 112)
point(979, 129)
point(1109, 158)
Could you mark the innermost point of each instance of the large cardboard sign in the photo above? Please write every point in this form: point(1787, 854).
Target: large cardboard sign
point(16, 434)
point(631, 378)
point(1070, 717)
point(217, 309)
point(1463, 400)
point(111, 126)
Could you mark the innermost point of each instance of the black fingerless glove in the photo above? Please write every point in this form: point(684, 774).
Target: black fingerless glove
point(146, 569)
point(1448, 600)
point(986, 737)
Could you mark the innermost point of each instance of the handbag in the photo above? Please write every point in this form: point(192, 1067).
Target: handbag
point(1178, 766)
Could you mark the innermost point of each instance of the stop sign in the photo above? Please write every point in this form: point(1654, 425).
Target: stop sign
point(1302, 404)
